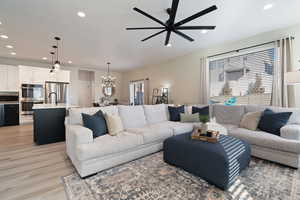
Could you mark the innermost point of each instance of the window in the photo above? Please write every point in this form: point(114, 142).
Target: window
point(246, 78)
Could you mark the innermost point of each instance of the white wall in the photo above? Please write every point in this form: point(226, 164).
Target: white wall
point(74, 79)
point(183, 73)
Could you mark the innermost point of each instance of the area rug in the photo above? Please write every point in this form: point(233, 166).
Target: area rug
point(150, 178)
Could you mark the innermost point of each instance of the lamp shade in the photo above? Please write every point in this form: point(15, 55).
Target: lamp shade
point(293, 78)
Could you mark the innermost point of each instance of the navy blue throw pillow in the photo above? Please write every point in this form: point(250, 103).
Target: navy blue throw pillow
point(202, 111)
point(175, 113)
point(96, 123)
point(272, 122)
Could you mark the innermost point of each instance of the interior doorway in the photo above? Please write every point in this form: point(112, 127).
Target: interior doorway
point(137, 93)
point(85, 88)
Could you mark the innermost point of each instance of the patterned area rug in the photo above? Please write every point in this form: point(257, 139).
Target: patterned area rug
point(150, 178)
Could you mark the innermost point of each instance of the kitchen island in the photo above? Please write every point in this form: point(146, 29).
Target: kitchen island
point(49, 122)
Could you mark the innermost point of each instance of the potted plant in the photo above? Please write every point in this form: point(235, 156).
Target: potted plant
point(204, 119)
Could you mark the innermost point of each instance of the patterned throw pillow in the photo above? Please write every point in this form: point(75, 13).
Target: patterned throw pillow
point(114, 124)
point(250, 120)
point(96, 123)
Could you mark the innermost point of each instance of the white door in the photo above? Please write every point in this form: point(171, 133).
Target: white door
point(85, 93)
point(3, 78)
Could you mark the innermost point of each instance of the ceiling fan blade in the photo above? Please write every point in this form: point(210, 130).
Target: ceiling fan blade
point(151, 36)
point(195, 27)
point(173, 11)
point(168, 37)
point(149, 16)
point(183, 35)
point(199, 14)
point(145, 28)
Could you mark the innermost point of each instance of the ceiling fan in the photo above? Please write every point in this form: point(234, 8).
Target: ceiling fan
point(171, 26)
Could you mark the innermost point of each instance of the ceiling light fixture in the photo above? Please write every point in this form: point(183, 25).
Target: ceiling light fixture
point(108, 81)
point(52, 70)
point(204, 31)
point(81, 14)
point(57, 62)
point(13, 53)
point(169, 45)
point(70, 62)
point(4, 36)
point(9, 46)
point(44, 58)
point(268, 6)
point(0, 23)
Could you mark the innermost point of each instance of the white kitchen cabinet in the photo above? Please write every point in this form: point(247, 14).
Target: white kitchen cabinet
point(63, 76)
point(26, 75)
point(13, 83)
point(40, 75)
point(3, 78)
point(9, 78)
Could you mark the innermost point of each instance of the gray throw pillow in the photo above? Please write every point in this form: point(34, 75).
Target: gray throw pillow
point(189, 117)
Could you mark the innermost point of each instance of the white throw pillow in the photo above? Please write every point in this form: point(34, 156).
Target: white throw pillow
point(114, 124)
point(132, 116)
point(250, 120)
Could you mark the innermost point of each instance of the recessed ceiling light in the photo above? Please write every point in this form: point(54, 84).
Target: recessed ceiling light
point(268, 6)
point(4, 36)
point(204, 31)
point(0, 23)
point(169, 45)
point(44, 58)
point(70, 62)
point(13, 53)
point(9, 46)
point(81, 14)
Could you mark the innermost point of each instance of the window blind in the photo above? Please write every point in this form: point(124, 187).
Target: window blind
point(248, 77)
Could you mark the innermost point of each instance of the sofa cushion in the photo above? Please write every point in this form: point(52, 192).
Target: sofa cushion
point(272, 122)
point(228, 114)
point(132, 116)
point(156, 113)
point(179, 128)
point(96, 123)
point(107, 144)
point(153, 132)
point(265, 139)
point(75, 113)
point(175, 113)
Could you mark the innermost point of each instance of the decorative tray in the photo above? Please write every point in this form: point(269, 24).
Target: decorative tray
point(209, 136)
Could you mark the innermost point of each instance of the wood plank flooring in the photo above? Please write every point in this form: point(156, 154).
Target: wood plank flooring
point(28, 171)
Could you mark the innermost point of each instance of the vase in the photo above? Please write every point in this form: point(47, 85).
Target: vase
point(204, 128)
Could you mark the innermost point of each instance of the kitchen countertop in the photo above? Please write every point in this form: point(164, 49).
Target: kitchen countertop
point(8, 102)
point(53, 106)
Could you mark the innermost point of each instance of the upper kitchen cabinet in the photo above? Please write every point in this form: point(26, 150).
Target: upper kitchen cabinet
point(9, 78)
point(37, 75)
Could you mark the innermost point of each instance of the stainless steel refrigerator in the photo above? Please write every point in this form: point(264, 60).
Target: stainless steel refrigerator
point(60, 89)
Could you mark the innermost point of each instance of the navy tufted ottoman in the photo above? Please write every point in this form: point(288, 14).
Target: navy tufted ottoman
point(217, 163)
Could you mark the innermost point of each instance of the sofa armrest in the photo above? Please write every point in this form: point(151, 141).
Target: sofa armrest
point(291, 132)
point(77, 134)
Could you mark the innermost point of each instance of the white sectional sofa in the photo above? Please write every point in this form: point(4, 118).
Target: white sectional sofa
point(284, 149)
point(146, 127)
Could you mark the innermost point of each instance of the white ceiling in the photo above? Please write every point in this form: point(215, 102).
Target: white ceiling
point(101, 36)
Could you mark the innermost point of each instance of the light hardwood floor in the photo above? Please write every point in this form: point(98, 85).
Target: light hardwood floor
point(28, 171)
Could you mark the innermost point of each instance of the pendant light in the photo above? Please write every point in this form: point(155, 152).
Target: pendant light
point(57, 62)
point(52, 71)
point(108, 80)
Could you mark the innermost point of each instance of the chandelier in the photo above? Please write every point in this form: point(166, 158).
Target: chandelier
point(108, 80)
